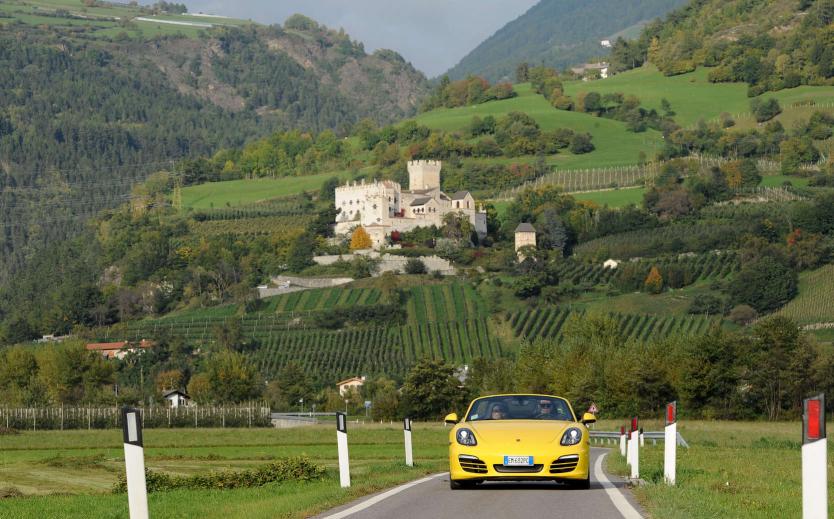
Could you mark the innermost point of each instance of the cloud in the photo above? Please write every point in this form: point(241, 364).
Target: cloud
point(433, 34)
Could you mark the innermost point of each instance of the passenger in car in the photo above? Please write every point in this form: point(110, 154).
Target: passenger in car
point(498, 413)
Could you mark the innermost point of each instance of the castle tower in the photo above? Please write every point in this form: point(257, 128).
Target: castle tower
point(424, 174)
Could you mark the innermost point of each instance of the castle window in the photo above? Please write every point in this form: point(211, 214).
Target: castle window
point(374, 206)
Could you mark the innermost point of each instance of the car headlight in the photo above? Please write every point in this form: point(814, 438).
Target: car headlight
point(465, 437)
point(572, 436)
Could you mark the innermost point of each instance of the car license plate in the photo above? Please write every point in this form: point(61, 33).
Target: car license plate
point(518, 461)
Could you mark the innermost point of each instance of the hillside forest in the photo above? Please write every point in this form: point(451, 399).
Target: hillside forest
point(683, 214)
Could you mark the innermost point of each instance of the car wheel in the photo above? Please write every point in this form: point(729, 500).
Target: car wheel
point(460, 485)
point(581, 484)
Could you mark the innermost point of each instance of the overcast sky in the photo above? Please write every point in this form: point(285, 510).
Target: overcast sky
point(432, 34)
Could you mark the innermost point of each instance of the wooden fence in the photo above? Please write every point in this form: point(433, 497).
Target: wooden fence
point(73, 417)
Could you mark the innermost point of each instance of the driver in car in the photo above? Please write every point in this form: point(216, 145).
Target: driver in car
point(546, 411)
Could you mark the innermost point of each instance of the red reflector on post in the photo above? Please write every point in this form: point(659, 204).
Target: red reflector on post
point(814, 419)
point(634, 424)
point(622, 430)
point(671, 411)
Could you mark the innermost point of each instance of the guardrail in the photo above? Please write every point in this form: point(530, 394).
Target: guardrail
point(612, 437)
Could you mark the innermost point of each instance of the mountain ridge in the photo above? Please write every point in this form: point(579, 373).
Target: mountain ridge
point(548, 33)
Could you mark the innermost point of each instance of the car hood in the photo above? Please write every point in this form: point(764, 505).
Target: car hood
point(532, 432)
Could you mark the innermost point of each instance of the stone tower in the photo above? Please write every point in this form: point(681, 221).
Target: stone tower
point(423, 174)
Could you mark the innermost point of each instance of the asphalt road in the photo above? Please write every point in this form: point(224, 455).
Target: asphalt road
point(432, 498)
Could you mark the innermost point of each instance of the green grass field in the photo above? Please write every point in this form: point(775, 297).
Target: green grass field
point(693, 97)
point(70, 473)
point(731, 469)
point(614, 145)
point(614, 197)
point(234, 193)
point(815, 302)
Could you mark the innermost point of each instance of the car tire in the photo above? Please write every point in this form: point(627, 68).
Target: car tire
point(460, 485)
point(581, 484)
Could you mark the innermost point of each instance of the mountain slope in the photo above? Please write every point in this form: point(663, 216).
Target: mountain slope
point(768, 44)
point(557, 33)
point(88, 110)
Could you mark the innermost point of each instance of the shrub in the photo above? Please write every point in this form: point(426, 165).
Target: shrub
point(287, 469)
point(581, 143)
point(765, 110)
point(707, 304)
point(415, 266)
point(743, 315)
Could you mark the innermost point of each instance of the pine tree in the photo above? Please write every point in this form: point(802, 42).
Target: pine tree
point(360, 239)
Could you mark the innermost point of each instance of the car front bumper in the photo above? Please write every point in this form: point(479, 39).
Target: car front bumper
point(563, 463)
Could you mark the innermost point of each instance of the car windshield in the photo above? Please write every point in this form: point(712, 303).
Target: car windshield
point(520, 407)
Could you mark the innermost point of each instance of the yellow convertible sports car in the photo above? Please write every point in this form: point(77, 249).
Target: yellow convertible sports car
point(521, 438)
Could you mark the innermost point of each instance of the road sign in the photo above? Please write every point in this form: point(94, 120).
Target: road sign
point(368, 404)
point(593, 409)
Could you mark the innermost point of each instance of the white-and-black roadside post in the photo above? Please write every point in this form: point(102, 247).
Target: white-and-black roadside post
point(622, 441)
point(409, 456)
point(670, 443)
point(814, 459)
point(634, 445)
point(137, 491)
point(642, 438)
point(341, 440)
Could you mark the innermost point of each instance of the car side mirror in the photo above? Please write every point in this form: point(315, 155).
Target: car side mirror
point(588, 418)
point(451, 419)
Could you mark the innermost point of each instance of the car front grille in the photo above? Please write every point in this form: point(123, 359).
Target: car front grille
point(472, 464)
point(511, 469)
point(564, 464)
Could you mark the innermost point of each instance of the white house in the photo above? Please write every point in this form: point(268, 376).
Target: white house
point(383, 207)
point(611, 264)
point(605, 43)
point(177, 398)
point(351, 383)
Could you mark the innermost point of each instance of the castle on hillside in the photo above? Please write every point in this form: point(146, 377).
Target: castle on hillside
point(383, 207)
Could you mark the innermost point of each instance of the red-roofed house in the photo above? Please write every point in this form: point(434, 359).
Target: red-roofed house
point(117, 350)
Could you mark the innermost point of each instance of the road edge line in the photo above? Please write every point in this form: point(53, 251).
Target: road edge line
point(620, 502)
point(381, 497)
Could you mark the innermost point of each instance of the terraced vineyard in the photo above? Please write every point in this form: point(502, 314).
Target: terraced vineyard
point(331, 355)
point(446, 321)
point(446, 302)
point(322, 299)
point(815, 302)
point(549, 322)
point(577, 272)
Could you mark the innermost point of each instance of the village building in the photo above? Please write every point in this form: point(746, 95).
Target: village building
point(351, 383)
point(611, 264)
point(383, 207)
point(176, 398)
point(589, 70)
point(117, 350)
point(525, 236)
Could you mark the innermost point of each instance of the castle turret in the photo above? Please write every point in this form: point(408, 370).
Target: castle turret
point(424, 174)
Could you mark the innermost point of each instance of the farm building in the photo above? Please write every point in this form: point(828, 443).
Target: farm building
point(176, 398)
point(351, 383)
point(117, 350)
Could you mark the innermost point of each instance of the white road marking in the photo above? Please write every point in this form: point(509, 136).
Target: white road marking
point(619, 500)
point(381, 497)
